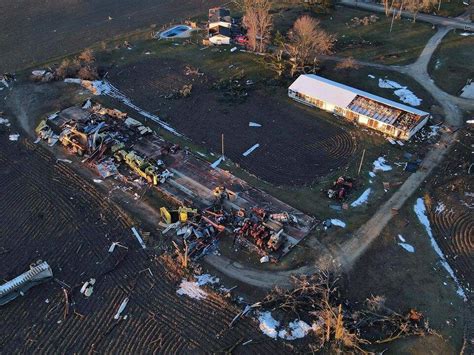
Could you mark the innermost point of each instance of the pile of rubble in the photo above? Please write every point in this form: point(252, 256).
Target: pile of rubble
point(255, 228)
point(364, 21)
point(105, 138)
point(340, 188)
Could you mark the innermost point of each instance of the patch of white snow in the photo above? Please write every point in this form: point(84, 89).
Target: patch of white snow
point(268, 325)
point(297, 329)
point(362, 198)
point(420, 211)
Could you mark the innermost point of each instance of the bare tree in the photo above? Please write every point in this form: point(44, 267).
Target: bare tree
point(87, 56)
point(258, 22)
point(306, 41)
point(338, 324)
point(415, 6)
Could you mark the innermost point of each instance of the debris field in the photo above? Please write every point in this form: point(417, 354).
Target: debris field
point(213, 109)
point(116, 145)
point(51, 213)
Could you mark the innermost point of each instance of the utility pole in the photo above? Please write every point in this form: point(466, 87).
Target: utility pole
point(361, 161)
point(222, 146)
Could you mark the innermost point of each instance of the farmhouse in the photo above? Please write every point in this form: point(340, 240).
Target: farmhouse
point(220, 24)
point(394, 119)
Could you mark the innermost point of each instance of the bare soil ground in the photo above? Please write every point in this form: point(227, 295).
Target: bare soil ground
point(414, 280)
point(452, 204)
point(34, 31)
point(49, 212)
point(296, 147)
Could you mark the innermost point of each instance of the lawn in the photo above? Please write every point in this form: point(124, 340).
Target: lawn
point(373, 42)
point(221, 64)
point(451, 8)
point(452, 63)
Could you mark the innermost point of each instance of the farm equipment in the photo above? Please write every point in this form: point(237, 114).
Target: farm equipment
point(221, 194)
point(180, 215)
point(142, 167)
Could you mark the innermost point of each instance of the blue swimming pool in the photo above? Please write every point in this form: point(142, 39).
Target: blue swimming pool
point(177, 31)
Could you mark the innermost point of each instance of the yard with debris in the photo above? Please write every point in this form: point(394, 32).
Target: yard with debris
point(181, 202)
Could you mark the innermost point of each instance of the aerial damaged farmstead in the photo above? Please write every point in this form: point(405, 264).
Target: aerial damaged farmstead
point(264, 176)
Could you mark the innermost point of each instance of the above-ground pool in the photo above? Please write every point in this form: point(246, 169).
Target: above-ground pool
point(180, 31)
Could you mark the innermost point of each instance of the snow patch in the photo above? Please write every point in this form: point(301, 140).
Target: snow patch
point(362, 198)
point(420, 211)
point(381, 164)
point(297, 329)
point(5, 121)
point(193, 288)
point(254, 124)
point(401, 238)
point(14, 137)
point(206, 279)
point(468, 91)
point(268, 325)
point(371, 76)
point(405, 95)
point(408, 97)
point(389, 84)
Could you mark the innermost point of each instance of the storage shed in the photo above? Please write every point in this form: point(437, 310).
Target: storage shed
point(390, 117)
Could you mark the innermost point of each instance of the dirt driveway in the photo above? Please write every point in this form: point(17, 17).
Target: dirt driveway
point(33, 31)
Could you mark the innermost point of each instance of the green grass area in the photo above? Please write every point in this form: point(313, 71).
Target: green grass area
point(452, 63)
point(373, 42)
point(450, 8)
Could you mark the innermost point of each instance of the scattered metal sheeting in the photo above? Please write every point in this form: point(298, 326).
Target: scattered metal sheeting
point(39, 272)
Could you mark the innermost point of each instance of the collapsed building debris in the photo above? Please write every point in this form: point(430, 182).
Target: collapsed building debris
point(39, 272)
point(116, 145)
point(341, 188)
point(255, 228)
point(104, 137)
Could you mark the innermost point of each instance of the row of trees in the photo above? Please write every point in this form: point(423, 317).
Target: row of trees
point(295, 52)
point(415, 6)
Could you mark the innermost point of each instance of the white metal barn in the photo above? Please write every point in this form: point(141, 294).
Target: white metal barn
point(392, 118)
